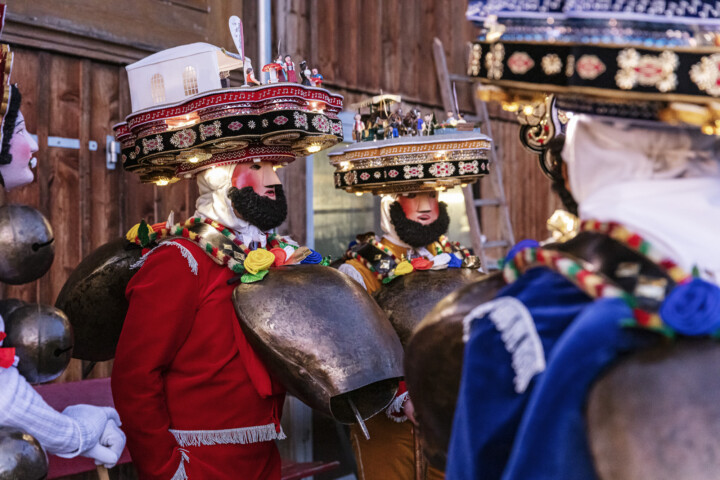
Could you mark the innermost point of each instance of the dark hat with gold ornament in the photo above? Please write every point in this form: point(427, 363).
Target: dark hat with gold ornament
point(183, 121)
point(619, 58)
point(411, 164)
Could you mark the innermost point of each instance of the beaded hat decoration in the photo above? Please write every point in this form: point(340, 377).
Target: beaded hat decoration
point(411, 164)
point(622, 58)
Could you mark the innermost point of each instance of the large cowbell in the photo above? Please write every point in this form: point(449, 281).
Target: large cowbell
point(324, 338)
point(93, 298)
point(433, 364)
point(21, 456)
point(26, 244)
point(42, 338)
point(407, 299)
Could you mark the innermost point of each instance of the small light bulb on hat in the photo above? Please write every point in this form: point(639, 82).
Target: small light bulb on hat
point(314, 147)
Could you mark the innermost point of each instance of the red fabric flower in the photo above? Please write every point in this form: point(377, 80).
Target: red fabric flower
point(280, 256)
point(3, 336)
point(421, 263)
point(7, 357)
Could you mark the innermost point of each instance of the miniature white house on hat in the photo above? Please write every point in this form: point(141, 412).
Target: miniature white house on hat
point(174, 74)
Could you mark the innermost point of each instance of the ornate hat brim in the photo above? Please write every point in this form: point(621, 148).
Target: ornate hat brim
point(408, 164)
point(212, 127)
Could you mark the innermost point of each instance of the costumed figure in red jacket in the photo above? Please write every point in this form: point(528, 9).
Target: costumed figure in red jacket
point(196, 400)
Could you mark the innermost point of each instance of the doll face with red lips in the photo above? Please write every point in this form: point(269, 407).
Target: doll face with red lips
point(22, 147)
point(259, 175)
point(421, 207)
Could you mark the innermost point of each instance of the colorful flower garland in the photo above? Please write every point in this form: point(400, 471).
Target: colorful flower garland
point(402, 265)
point(254, 267)
point(637, 243)
point(595, 284)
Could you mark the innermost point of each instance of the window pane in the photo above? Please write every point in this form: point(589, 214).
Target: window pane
point(157, 88)
point(190, 84)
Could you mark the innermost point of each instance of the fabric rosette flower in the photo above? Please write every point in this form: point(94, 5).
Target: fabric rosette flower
point(421, 263)
point(256, 265)
point(442, 261)
point(693, 308)
point(455, 261)
point(403, 268)
point(313, 259)
point(280, 256)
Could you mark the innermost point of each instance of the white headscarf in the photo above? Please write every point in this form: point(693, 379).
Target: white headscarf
point(214, 203)
point(662, 183)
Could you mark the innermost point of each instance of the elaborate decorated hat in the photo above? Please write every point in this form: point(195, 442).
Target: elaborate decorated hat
point(408, 164)
point(6, 61)
point(653, 60)
point(183, 121)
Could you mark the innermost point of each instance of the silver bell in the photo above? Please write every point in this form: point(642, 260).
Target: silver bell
point(26, 244)
point(21, 456)
point(43, 341)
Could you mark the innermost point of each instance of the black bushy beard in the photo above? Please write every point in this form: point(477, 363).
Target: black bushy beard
point(414, 233)
point(263, 212)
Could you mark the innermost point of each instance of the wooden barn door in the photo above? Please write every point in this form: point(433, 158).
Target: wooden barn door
point(86, 204)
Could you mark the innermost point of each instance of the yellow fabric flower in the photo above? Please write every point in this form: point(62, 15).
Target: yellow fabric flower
point(258, 260)
point(403, 268)
point(132, 233)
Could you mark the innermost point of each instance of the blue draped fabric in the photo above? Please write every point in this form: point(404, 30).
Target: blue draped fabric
point(500, 433)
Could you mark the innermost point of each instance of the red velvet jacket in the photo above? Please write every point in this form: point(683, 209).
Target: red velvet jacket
point(183, 363)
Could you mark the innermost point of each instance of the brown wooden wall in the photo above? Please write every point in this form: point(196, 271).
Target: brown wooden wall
point(69, 65)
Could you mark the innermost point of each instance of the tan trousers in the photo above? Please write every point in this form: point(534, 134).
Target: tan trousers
point(390, 452)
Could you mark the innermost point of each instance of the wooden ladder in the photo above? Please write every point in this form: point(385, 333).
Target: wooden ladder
point(474, 202)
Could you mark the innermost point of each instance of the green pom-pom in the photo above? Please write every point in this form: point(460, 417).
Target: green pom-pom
point(144, 233)
point(326, 261)
point(250, 278)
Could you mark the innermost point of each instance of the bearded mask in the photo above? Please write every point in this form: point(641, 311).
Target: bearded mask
point(261, 211)
point(415, 233)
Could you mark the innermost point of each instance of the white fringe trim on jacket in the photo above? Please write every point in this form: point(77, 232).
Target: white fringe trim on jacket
point(192, 263)
point(518, 333)
point(180, 473)
point(396, 406)
point(195, 438)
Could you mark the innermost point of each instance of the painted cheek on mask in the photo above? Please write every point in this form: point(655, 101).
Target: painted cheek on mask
point(245, 176)
point(18, 173)
point(421, 208)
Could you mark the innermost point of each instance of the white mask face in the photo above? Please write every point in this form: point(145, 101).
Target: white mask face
point(22, 147)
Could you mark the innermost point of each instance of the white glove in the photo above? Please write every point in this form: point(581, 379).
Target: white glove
point(108, 451)
point(92, 423)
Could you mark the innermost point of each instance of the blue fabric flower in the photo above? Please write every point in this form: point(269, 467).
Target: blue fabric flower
point(312, 259)
point(693, 308)
point(454, 262)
